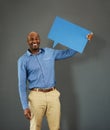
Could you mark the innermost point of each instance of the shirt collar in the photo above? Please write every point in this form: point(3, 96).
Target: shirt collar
point(40, 51)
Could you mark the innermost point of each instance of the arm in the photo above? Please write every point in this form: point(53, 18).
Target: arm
point(63, 54)
point(22, 76)
point(22, 83)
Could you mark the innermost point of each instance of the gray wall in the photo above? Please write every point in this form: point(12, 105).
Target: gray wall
point(84, 80)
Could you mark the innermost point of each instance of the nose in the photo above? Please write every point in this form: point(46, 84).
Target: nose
point(34, 41)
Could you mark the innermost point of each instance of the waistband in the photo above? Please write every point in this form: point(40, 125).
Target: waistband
point(43, 89)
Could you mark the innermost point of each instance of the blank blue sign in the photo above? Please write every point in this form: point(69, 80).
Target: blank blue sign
point(68, 34)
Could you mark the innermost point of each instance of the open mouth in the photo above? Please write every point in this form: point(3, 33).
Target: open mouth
point(35, 45)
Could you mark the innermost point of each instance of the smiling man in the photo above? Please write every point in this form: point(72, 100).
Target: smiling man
point(33, 40)
point(36, 67)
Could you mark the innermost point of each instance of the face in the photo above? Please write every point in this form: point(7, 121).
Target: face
point(33, 40)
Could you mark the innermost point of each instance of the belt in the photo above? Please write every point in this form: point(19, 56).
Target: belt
point(43, 89)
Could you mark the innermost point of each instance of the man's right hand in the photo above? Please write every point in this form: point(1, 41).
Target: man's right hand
point(27, 113)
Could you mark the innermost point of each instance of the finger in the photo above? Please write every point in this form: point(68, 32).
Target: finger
point(27, 116)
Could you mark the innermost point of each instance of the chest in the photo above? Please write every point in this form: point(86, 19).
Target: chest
point(38, 62)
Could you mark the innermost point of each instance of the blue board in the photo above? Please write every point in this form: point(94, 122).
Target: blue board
point(68, 34)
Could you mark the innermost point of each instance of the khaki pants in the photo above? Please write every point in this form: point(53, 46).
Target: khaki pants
point(45, 104)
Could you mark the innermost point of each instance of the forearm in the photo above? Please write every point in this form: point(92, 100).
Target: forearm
point(23, 98)
point(63, 54)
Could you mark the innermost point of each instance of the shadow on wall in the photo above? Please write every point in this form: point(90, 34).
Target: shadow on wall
point(92, 50)
point(65, 83)
point(69, 101)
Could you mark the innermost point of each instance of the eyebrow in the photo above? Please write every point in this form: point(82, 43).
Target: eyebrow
point(32, 38)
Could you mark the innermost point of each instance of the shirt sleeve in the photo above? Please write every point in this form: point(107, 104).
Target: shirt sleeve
point(63, 54)
point(22, 83)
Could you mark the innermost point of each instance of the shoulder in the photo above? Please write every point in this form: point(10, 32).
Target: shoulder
point(22, 58)
point(48, 50)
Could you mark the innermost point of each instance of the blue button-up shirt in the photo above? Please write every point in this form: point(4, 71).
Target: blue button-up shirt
point(38, 70)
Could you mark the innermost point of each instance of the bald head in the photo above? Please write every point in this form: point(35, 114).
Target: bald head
point(33, 40)
point(32, 34)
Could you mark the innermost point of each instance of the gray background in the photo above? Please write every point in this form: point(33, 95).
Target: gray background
point(84, 80)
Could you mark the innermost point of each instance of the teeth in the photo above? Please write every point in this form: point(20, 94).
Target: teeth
point(34, 45)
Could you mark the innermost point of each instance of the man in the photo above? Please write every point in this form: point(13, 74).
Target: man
point(37, 67)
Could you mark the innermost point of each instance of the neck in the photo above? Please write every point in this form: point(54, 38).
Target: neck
point(34, 51)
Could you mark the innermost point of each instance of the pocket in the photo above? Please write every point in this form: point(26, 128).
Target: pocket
point(31, 95)
point(57, 92)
